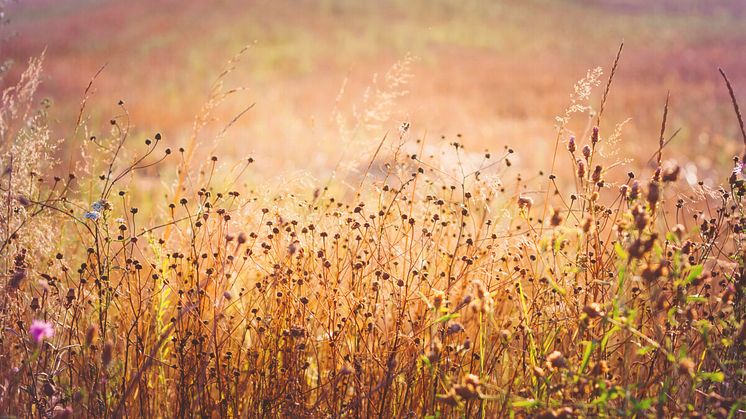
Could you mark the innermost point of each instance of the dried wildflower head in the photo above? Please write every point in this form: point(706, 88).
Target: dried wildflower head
point(624, 190)
point(108, 353)
point(468, 389)
point(435, 349)
point(16, 278)
point(653, 272)
point(48, 389)
point(601, 368)
point(449, 398)
point(19, 270)
point(525, 202)
point(596, 176)
point(640, 247)
point(687, 366)
point(438, 298)
point(586, 151)
point(653, 194)
point(60, 412)
point(557, 217)
point(571, 144)
point(738, 172)
point(581, 169)
point(556, 360)
point(91, 334)
point(23, 200)
point(678, 231)
point(634, 192)
point(101, 205)
point(403, 129)
point(454, 328)
point(593, 310)
point(346, 370)
point(559, 413)
point(483, 302)
point(671, 174)
point(41, 330)
point(588, 224)
point(92, 215)
point(641, 217)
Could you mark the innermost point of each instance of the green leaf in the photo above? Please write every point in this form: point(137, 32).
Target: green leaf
point(620, 251)
point(717, 377)
point(528, 403)
point(694, 273)
point(696, 298)
point(425, 300)
point(643, 404)
point(606, 337)
point(645, 350)
point(447, 317)
point(425, 360)
point(586, 355)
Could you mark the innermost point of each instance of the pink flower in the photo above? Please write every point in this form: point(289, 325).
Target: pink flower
point(40, 330)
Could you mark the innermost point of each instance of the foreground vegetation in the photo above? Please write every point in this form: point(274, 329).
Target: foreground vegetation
point(420, 290)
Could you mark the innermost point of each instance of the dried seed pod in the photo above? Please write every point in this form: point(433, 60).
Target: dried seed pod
point(525, 202)
point(556, 360)
point(671, 174)
point(601, 368)
point(634, 192)
point(91, 334)
point(557, 218)
point(653, 194)
point(571, 144)
point(624, 191)
point(686, 366)
point(108, 353)
point(594, 136)
point(581, 169)
point(62, 413)
point(48, 389)
point(454, 328)
point(588, 224)
point(435, 349)
point(596, 176)
point(593, 310)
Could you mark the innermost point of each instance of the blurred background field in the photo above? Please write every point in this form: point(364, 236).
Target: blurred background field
point(262, 275)
point(495, 72)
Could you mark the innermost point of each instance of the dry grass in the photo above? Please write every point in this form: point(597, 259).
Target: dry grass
point(430, 287)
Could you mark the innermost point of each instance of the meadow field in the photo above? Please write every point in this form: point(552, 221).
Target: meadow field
point(373, 209)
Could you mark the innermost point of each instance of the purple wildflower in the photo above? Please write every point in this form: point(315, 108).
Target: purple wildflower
point(41, 330)
point(92, 215)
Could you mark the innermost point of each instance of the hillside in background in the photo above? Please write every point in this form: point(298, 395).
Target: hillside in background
point(496, 72)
